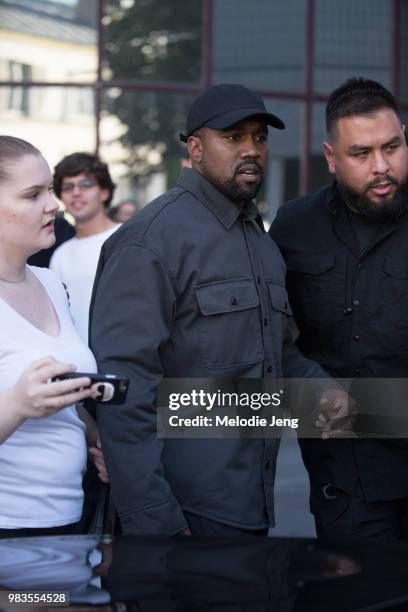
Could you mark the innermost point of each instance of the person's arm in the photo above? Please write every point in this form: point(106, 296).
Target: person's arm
point(314, 392)
point(93, 442)
point(34, 397)
point(132, 311)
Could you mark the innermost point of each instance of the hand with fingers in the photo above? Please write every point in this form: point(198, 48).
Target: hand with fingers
point(338, 411)
point(33, 396)
point(96, 453)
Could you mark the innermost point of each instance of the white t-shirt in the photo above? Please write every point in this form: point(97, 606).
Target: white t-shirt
point(42, 463)
point(75, 263)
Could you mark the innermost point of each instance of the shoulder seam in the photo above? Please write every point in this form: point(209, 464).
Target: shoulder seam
point(149, 250)
point(150, 221)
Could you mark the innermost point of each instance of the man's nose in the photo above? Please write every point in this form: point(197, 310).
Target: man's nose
point(76, 189)
point(250, 147)
point(380, 163)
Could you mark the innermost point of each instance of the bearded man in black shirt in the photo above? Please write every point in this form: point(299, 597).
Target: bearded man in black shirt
point(346, 250)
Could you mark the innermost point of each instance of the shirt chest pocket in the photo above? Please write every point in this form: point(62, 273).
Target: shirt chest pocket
point(229, 324)
point(391, 300)
point(396, 268)
point(316, 287)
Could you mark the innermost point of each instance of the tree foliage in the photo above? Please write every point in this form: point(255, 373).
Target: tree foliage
point(153, 41)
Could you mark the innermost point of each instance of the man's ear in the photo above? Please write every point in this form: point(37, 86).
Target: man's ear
point(105, 195)
point(195, 148)
point(329, 155)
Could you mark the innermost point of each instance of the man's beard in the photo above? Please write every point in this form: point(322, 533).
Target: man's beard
point(387, 209)
point(236, 192)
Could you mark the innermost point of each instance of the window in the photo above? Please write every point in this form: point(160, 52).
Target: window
point(119, 75)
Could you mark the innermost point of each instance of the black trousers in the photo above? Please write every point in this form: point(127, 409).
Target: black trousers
point(339, 515)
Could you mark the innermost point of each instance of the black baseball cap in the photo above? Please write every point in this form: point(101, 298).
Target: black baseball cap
point(223, 105)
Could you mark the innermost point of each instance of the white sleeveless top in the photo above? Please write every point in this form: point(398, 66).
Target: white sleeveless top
point(42, 463)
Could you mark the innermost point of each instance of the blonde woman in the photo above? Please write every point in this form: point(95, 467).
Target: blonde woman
point(42, 439)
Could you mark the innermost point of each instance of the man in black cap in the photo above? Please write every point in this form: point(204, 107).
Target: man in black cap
point(192, 287)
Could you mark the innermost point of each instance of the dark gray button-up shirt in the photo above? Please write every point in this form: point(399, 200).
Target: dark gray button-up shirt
point(192, 287)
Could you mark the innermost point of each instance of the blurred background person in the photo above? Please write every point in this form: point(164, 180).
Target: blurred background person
point(185, 162)
point(42, 439)
point(124, 211)
point(83, 182)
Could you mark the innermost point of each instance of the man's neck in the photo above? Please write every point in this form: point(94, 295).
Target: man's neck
point(91, 227)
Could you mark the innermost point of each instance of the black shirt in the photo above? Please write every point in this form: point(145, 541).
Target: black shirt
point(351, 308)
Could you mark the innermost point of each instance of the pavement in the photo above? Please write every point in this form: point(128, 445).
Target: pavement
point(293, 518)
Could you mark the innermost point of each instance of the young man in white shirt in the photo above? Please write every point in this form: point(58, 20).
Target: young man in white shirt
point(83, 183)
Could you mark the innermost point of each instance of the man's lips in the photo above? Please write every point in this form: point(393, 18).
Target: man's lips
point(383, 186)
point(249, 169)
point(383, 189)
point(251, 172)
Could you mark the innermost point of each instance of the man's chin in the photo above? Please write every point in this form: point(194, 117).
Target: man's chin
point(247, 190)
point(249, 194)
point(378, 209)
point(378, 203)
point(381, 201)
point(238, 190)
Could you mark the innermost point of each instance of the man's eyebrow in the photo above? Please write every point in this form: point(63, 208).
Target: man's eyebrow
point(356, 148)
point(394, 140)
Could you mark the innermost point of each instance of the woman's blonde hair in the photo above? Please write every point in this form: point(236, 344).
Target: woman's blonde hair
point(12, 148)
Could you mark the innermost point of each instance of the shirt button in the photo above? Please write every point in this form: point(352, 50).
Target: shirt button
point(359, 266)
point(356, 337)
point(356, 372)
point(234, 301)
point(356, 302)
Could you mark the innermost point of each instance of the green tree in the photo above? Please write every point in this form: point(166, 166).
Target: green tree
point(154, 41)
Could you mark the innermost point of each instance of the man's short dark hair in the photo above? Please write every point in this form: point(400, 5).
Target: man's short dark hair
point(358, 96)
point(84, 163)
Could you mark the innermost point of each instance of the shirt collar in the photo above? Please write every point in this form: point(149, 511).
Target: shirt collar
point(226, 211)
point(333, 200)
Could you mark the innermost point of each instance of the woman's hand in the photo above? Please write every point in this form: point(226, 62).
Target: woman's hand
point(98, 460)
point(34, 396)
point(93, 442)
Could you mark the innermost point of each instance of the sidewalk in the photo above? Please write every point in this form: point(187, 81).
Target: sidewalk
point(293, 518)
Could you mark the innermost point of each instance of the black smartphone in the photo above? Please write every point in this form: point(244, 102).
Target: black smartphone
point(106, 388)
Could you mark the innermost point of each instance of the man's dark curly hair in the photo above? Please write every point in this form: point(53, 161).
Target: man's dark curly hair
point(84, 163)
point(358, 96)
